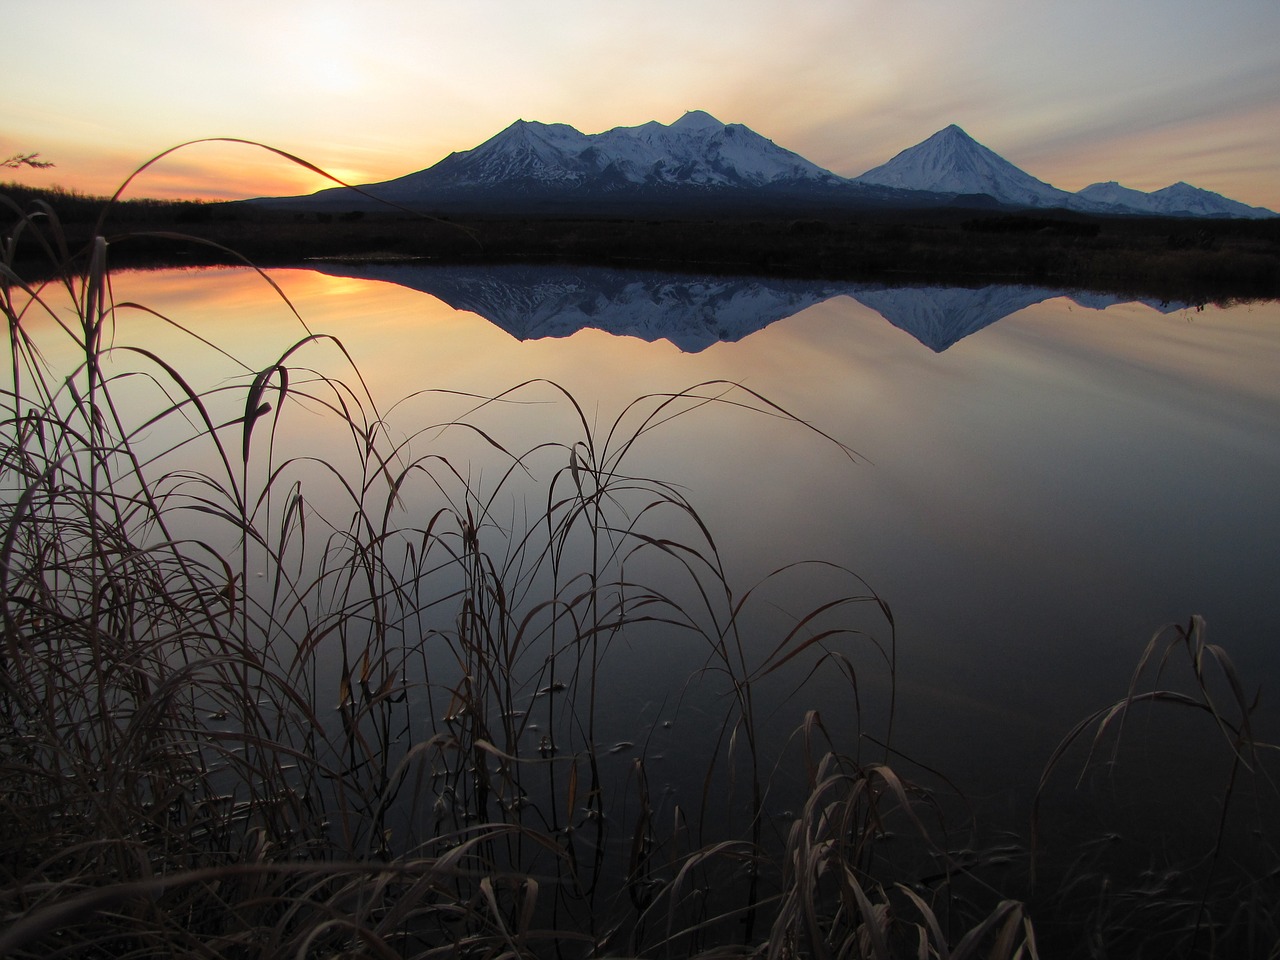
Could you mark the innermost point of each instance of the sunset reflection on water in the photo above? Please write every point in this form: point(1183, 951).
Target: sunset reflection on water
point(1033, 501)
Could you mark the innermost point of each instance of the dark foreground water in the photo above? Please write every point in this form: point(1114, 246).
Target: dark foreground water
point(1043, 479)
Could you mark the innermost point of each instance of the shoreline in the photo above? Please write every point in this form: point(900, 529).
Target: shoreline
point(1197, 261)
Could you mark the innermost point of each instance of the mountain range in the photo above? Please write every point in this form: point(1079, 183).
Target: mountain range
point(953, 162)
point(699, 164)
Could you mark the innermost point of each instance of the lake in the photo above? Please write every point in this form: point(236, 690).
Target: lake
point(1034, 482)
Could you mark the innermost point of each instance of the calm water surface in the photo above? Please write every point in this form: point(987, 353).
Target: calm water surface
point(1043, 481)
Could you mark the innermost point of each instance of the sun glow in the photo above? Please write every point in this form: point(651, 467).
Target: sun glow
point(324, 57)
point(388, 88)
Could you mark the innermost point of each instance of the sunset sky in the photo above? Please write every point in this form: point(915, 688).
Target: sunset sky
point(1146, 92)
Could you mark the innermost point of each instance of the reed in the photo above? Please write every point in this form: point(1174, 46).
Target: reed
point(1214, 892)
point(234, 722)
point(351, 700)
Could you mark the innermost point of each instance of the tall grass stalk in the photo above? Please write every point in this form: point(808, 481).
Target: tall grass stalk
point(354, 699)
point(280, 702)
point(1218, 896)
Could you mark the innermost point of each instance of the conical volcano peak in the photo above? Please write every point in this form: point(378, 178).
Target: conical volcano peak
point(954, 137)
point(697, 120)
point(951, 161)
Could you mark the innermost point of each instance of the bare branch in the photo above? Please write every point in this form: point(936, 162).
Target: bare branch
point(25, 160)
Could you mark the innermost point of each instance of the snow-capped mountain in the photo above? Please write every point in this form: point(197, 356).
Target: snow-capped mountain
point(1178, 200)
point(696, 155)
point(951, 161)
point(696, 150)
point(699, 163)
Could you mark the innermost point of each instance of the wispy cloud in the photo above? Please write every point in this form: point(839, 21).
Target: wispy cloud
point(389, 87)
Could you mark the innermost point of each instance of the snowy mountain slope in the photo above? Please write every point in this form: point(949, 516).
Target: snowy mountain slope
point(1115, 197)
point(548, 152)
point(697, 162)
point(951, 161)
point(699, 149)
point(696, 151)
point(1178, 200)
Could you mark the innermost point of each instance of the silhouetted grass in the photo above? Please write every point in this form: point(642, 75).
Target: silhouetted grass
point(237, 721)
point(261, 701)
point(1216, 891)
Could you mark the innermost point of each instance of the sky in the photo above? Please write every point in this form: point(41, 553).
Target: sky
point(1144, 92)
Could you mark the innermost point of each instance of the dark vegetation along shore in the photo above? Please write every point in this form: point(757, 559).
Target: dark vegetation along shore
point(233, 726)
point(1189, 260)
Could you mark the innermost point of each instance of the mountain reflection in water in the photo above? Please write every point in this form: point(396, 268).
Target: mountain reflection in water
point(532, 302)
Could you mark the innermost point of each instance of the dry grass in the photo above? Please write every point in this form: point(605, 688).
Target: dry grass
point(237, 722)
point(234, 722)
point(1214, 891)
